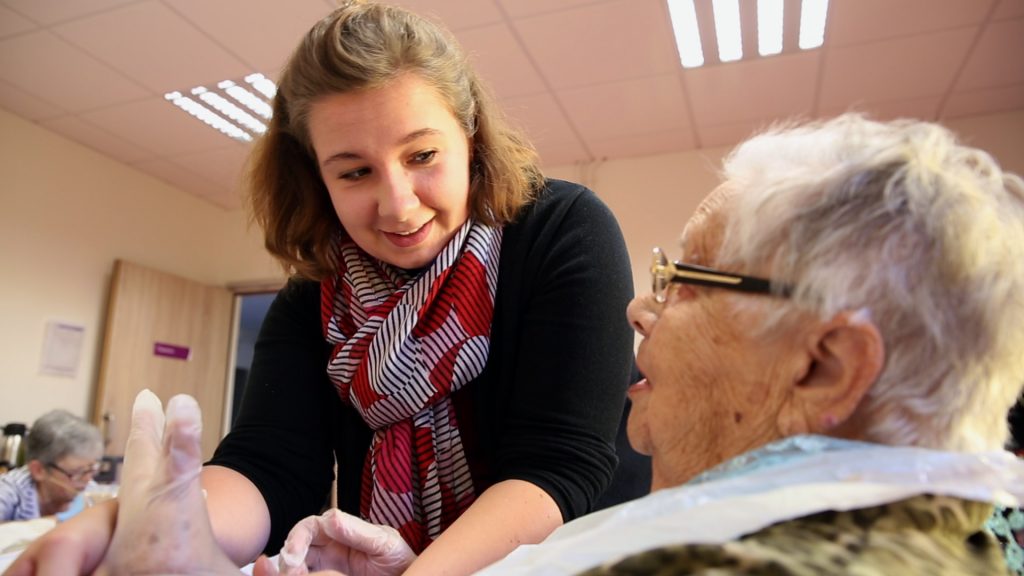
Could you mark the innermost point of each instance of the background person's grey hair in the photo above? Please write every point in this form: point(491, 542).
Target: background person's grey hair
point(59, 433)
point(923, 234)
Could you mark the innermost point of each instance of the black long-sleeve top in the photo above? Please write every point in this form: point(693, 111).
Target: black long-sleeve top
point(544, 410)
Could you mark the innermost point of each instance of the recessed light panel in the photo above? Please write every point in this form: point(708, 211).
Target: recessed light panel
point(238, 109)
point(692, 25)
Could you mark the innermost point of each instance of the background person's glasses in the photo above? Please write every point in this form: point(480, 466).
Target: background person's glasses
point(664, 273)
point(77, 476)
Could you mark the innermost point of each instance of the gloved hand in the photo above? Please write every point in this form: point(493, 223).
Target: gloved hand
point(162, 523)
point(339, 541)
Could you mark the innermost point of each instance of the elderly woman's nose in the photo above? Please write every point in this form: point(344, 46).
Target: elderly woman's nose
point(642, 312)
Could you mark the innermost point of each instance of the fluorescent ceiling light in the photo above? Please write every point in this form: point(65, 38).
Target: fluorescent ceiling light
point(250, 100)
point(772, 37)
point(812, 23)
point(220, 104)
point(684, 25)
point(727, 28)
point(262, 84)
point(769, 27)
point(230, 107)
point(207, 116)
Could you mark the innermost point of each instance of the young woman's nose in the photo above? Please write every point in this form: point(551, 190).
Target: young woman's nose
point(642, 313)
point(397, 196)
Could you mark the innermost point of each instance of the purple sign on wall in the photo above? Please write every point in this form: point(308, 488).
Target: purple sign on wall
point(171, 351)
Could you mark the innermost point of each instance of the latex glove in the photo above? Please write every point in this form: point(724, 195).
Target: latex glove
point(339, 541)
point(162, 523)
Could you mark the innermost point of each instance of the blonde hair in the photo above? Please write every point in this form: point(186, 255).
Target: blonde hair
point(924, 233)
point(360, 46)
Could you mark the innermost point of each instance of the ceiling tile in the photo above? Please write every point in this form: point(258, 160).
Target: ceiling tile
point(729, 134)
point(500, 60)
point(456, 14)
point(641, 106)
point(524, 8)
point(49, 12)
point(860, 21)
point(222, 167)
point(601, 43)
point(42, 64)
point(26, 105)
point(96, 138)
point(986, 101)
point(171, 56)
point(764, 88)
point(13, 23)
point(919, 108)
point(648, 144)
point(560, 155)
point(259, 32)
point(902, 69)
point(158, 125)
point(547, 128)
point(988, 65)
point(1009, 9)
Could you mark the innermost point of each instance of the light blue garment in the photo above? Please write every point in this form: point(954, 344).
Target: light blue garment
point(76, 506)
point(783, 451)
point(1005, 523)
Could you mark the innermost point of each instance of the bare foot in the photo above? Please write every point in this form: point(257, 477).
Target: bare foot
point(162, 523)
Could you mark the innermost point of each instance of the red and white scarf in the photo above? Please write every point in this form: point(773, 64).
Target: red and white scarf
point(402, 345)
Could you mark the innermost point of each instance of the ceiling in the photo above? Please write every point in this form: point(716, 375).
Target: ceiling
point(588, 79)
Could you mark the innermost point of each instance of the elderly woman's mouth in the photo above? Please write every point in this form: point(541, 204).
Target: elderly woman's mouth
point(641, 386)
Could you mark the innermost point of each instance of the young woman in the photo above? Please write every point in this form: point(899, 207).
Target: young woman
point(453, 334)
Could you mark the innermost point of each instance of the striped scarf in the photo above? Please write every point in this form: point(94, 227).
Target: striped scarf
point(402, 345)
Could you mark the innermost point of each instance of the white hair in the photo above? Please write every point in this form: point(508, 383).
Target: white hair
point(922, 232)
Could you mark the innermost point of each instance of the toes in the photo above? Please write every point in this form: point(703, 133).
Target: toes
point(182, 436)
point(142, 452)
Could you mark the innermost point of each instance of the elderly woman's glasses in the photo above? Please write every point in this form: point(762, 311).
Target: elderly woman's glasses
point(664, 273)
point(79, 475)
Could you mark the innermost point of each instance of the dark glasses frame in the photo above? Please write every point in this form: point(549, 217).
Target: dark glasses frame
point(664, 273)
point(79, 475)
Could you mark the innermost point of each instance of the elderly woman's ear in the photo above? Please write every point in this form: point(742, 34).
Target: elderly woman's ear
point(840, 359)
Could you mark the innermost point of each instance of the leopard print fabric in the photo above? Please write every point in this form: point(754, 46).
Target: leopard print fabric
point(933, 535)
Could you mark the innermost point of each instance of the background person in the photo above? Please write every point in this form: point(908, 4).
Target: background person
point(62, 454)
point(453, 334)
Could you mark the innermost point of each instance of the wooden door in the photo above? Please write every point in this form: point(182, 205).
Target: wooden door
point(168, 334)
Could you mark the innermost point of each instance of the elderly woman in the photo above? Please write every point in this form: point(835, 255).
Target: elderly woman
point(828, 368)
point(829, 365)
point(61, 453)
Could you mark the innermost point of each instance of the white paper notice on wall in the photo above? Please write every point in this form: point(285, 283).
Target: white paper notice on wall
point(62, 348)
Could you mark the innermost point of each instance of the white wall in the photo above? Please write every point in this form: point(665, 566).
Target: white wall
point(652, 197)
point(66, 213)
